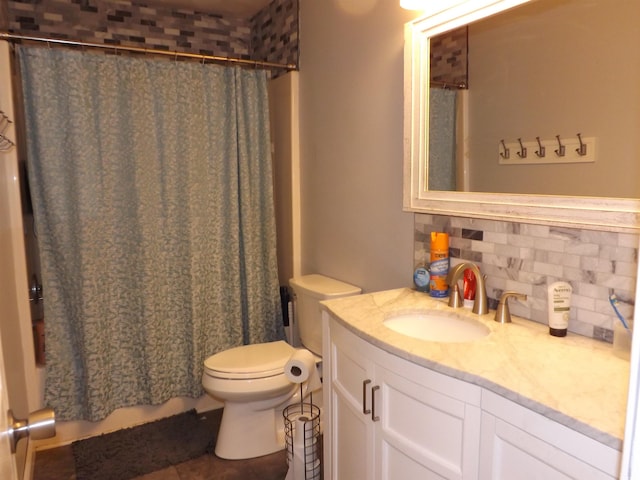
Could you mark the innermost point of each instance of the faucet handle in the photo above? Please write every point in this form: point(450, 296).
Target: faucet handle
point(455, 299)
point(503, 315)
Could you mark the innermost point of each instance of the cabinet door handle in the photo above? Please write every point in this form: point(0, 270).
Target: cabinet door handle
point(364, 397)
point(374, 417)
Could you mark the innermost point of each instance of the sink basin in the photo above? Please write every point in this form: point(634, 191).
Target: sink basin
point(437, 326)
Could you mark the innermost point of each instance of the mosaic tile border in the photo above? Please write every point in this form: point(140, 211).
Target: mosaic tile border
point(449, 57)
point(133, 23)
point(274, 33)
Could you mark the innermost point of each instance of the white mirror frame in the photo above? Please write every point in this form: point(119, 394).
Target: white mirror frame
point(607, 214)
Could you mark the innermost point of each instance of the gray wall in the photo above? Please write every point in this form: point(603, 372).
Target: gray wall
point(351, 104)
point(556, 76)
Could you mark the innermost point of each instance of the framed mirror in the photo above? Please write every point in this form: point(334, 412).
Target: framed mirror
point(507, 114)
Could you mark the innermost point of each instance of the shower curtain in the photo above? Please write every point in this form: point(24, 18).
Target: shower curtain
point(152, 191)
point(442, 139)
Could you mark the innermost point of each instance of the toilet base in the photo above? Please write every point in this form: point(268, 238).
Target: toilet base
point(249, 434)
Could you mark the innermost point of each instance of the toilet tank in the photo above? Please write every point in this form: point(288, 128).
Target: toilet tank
point(309, 290)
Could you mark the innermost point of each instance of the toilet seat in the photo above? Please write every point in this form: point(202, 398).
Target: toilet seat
point(250, 362)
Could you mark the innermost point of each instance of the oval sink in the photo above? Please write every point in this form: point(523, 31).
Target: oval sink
point(437, 326)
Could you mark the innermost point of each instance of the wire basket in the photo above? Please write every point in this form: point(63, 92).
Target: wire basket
point(302, 440)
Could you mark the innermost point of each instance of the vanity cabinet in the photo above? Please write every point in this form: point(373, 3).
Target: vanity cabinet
point(387, 418)
point(519, 443)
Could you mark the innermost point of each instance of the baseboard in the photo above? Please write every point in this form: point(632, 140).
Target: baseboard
point(68, 432)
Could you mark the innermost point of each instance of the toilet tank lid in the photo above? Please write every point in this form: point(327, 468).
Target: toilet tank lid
point(322, 287)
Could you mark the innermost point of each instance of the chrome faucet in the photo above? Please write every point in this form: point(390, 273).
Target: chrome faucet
point(503, 315)
point(480, 303)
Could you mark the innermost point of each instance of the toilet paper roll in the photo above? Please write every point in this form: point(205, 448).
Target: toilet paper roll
point(301, 368)
point(306, 464)
point(303, 434)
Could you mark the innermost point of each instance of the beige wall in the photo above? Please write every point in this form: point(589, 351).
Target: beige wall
point(284, 118)
point(351, 84)
point(557, 68)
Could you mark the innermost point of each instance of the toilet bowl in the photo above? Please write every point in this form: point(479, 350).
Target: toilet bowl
point(251, 382)
point(251, 379)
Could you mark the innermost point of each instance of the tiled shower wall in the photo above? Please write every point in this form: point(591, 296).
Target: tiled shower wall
point(274, 33)
point(271, 35)
point(527, 258)
point(448, 57)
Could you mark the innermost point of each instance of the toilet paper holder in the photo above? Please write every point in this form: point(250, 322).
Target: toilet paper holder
point(302, 441)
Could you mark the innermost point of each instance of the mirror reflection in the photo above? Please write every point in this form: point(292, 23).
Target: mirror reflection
point(545, 78)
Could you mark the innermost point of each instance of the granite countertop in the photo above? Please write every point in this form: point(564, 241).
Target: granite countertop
point(574, 380)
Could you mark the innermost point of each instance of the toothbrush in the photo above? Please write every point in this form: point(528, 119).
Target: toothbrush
point(614, 303)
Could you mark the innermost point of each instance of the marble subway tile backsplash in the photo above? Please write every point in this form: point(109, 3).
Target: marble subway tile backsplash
point(527, 258)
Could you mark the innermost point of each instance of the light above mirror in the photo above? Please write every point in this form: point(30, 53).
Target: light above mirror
point(413, 4)
point(552, 207)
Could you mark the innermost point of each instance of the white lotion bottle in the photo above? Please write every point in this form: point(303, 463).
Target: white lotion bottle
point(559, 304)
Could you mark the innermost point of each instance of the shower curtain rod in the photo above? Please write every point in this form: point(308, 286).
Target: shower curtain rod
point(460, 86)
point(199, 56)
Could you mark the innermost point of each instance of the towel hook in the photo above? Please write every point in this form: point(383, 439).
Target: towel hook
point(523, 150)
point(560, 151)
point(4, 122)
point(5, 143)
point(541, 150)
point(505, 153)
point(582, 150)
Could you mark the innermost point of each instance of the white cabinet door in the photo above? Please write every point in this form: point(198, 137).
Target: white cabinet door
point(519, 443)
point(388, 418)
point(348, 382)
point(422, 432)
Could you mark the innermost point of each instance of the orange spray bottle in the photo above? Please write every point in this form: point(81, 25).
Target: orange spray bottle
point(439, 268)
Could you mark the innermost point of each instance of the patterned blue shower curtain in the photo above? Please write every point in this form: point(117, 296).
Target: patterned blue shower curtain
point(442, 139)
point(152, 190)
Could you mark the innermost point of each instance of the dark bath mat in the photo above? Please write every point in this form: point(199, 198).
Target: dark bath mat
point(146, 448)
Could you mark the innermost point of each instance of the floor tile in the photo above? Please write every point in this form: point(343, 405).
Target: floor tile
point(211, 467)
point(59, 464)
point(269, 467)
point(55, 464)
point(169, 473)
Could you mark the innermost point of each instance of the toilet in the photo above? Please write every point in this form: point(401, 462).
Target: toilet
point(251, 380)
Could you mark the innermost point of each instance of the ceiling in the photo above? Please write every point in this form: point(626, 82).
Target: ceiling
point(240, 8)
